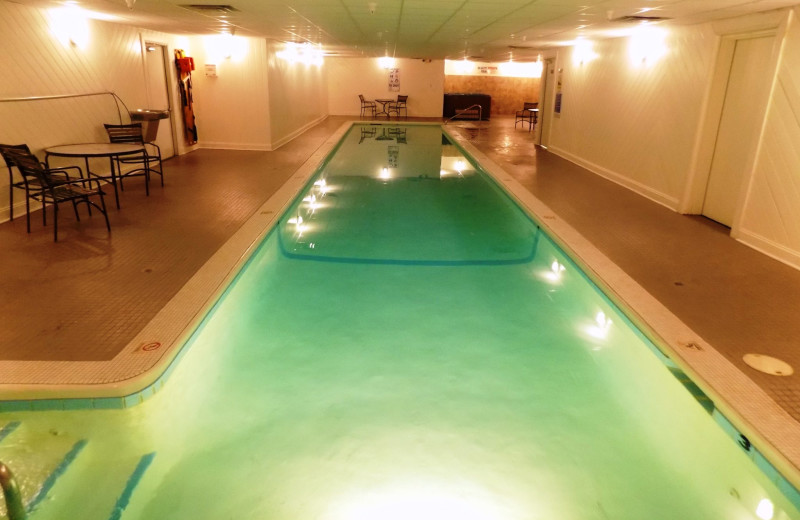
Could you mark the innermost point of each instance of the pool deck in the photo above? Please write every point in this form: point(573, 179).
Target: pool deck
point(73, 310)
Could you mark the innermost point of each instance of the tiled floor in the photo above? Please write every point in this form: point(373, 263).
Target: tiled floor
point(84, 298)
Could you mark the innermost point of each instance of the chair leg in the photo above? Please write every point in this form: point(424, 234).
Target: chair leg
point(28, 210)
point(104, 211)
point(75, 209)
point(55, 222)
point(10, 198)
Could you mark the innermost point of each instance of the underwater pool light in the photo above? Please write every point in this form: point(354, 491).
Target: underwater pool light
point(765, 509)
point(555, 270)
point(602, 324)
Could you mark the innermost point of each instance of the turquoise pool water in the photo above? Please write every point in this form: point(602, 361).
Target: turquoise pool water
point(406, 344)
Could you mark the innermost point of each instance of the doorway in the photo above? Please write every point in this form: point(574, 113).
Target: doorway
point(739, 126)
point(155, 64)
point(545, 114)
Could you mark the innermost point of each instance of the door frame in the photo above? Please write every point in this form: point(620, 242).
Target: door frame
point(168, 68)
point(546, 103)
point(729, 33)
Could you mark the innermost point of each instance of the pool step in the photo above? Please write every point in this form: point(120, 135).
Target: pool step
point(114, 483)
point(36, 469)
point(52, 469)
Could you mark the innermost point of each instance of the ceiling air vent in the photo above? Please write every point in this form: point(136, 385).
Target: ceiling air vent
point(210, 8)
point(638, 18)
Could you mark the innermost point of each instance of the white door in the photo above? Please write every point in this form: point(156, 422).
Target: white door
point(158, 93)
point(738, 127)
point(545, 114)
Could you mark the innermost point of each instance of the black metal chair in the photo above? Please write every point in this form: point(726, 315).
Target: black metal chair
point(132, 134)
point(527, 115)
point(27, 185)
point(52, 190)
point(367, 106)
point(399, 105)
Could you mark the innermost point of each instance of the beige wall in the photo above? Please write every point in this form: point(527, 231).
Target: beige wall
point(35, 63)
point(647, 128)
point(422, 82)
point(770, 219)
point(298, 96)
point(231, 109)
point(636, 124)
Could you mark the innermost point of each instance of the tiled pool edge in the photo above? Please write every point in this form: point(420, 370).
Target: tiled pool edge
point(141, 368)
point(743, 406)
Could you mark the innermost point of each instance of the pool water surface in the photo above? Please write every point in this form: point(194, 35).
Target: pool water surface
point(406, 343)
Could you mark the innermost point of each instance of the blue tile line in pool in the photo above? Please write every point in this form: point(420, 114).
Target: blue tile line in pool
point(7, 429)
point(62, 467)
point(130, 486)
point(413, 263)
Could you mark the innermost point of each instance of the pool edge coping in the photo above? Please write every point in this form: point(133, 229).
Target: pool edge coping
point(147, 358)
point(741, 401)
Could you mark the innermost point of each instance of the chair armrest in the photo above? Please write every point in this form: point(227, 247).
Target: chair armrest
point(64, 170)
point(83, 181)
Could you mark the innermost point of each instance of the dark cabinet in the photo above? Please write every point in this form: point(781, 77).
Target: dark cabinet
point(453, 102)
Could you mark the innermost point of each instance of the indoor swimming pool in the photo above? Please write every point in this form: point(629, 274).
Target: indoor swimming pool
point(406, 343)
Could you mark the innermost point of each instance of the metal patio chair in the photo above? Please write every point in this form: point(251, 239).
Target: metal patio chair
point(54, 190)
point(150, 160)
point(527, 115)
point(398, 106)
point(367, 106)
point(29, 186)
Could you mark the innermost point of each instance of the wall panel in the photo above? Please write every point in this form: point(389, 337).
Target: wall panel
point(771, 215)
point(231, 109)
point(298, 96)
point(421, 81)
point(36, 63)
point(635, 123)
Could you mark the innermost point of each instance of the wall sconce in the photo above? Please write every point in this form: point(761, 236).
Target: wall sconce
point(305, 53)
point(225, 46)
point(70, 25)
point(386, 62)
point(464, 66)
point(583, 51)
point(647, 45)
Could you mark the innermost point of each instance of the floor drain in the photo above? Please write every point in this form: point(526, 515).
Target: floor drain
point(768, 365)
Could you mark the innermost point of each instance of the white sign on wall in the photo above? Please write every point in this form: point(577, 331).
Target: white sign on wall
point(394, 80)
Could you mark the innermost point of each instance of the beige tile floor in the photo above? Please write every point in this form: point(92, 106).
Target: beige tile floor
point(86, 297)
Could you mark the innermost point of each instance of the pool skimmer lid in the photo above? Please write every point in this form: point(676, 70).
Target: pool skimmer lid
point(768, 365)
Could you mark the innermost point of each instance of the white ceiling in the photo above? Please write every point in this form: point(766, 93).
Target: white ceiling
point(485, 30)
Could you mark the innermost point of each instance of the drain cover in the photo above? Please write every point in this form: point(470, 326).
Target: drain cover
point(768, 365)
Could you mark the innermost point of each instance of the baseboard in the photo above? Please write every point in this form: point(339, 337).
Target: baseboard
point(19, 209)
point(643, 190)
point(216, 145)
point(770, 248)
point(297, 133)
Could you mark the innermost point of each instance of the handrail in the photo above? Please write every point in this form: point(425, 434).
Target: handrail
point(117, 99)
point(480, 112)
point(16, 510)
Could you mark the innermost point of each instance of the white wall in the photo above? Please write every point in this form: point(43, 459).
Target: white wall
point(298, 96)
point(636, 124)
point(647, 128)
point(232, 109)
point(422, 82)
point(36, 63)
point(770, 219)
